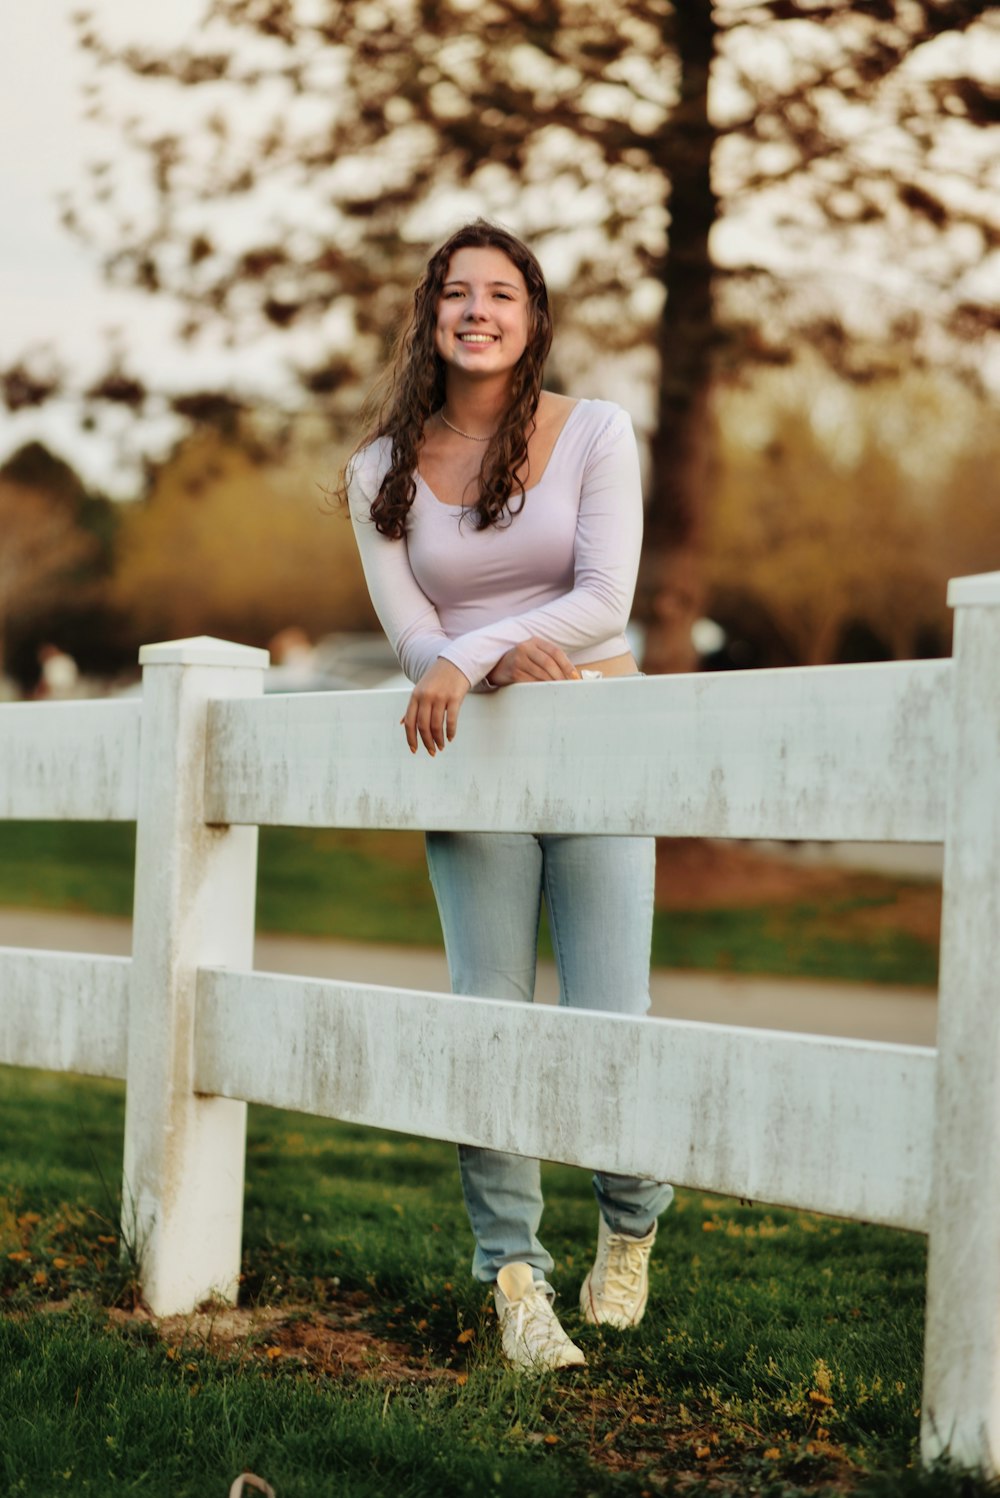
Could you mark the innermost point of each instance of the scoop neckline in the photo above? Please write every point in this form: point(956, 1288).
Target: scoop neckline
point(462, 509)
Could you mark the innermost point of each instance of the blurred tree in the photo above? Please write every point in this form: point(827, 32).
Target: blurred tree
point(965, 522)
point(831, 150)
point(41, 557)
point(836, 548)
point(227, 545)
point(76, 613)
point(819, 549)
point(34, 467)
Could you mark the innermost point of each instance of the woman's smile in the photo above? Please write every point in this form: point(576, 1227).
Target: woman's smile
point(483, 308)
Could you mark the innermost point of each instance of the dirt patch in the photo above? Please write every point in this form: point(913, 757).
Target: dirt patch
point(623, 1431)
point(351, 1352)
point(699, 874)
point(333, 1342)
point(914, 909)
point(696, 874)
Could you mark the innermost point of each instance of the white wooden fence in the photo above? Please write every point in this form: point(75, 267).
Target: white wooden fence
point(893, 1134)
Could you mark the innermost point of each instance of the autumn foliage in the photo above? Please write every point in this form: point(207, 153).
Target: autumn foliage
point(839, 515)
point(42, 551)
point(230, 546)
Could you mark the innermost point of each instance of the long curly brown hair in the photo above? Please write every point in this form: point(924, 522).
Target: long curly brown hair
point(413, 388)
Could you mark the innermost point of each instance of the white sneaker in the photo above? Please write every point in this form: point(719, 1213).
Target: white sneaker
point(533, 1340)
point(617, 1288)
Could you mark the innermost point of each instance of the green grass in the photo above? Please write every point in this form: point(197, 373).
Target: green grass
point(365, 886)
point(68, 866)
point(374, 887)
point(808, 940)
point(780, 1355)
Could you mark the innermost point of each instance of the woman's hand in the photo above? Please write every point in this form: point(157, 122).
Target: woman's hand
point(432, 711)
point(533, 660)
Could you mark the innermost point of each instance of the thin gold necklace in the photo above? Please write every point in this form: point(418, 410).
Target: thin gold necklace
point(458, 430)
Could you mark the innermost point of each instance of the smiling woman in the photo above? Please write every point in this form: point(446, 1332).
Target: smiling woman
point(483, 313)
point(500, 526)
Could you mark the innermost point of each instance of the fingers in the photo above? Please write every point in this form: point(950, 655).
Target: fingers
point(431, 716)
point(432, 724)
point(409, 722)
point(533, 660)
point(540, 660)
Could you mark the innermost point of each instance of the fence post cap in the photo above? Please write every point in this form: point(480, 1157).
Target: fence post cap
point(203, 650)
point(983, 588)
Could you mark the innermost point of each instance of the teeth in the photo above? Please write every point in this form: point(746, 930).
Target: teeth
point(476, 337)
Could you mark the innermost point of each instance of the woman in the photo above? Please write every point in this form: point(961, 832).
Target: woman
point(499, 527)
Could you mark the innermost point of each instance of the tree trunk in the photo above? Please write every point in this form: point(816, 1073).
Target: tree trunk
point(671, 589)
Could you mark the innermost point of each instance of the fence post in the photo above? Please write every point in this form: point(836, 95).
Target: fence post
point(961, 1399)
point(182, 1193)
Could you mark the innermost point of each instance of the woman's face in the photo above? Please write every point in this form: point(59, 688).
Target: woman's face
point(483, 322)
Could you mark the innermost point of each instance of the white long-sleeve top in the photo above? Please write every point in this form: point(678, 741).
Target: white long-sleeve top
point(564, 568)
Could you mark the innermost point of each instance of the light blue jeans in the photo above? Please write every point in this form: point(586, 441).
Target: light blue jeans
point(598, 892)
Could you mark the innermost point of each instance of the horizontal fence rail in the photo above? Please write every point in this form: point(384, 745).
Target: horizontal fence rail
point(64, 1011)
point(830, 1125)
point(905, 1136)
point(69, 761)
point(819, 753)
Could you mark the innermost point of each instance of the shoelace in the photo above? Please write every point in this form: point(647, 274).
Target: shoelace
point(544, 1331)
point(623, 1272)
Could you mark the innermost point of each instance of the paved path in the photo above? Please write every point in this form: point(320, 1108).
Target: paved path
point(866, 1012)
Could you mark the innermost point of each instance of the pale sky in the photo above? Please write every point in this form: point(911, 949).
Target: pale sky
point(51, 288)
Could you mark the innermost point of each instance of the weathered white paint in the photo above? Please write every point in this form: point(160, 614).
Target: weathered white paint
point(69, 761)
point(182, 1198)
point(205, 650)
point(831, 753)
point(838, 1126)
point(961, 1402)
point(981, 590)
point(64, 1012)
